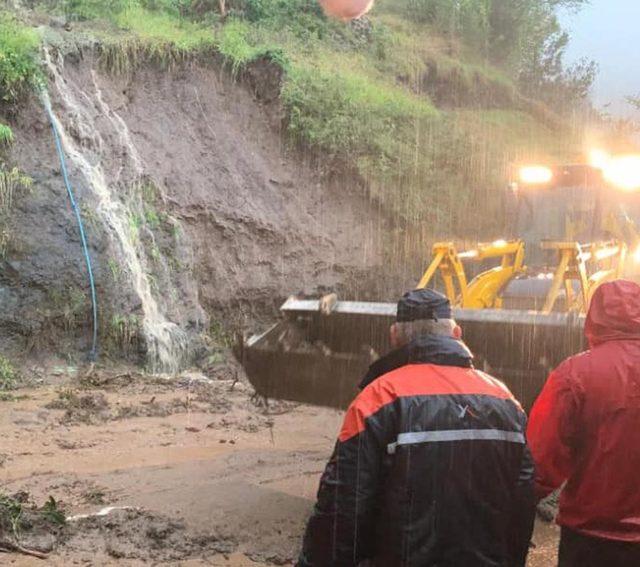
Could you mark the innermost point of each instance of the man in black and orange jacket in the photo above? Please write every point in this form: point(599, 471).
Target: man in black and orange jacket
point(431, 467)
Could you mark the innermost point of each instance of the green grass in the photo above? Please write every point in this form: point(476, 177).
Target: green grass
point(13, 185)
point(149, 191)
point(123, 331)
point(114, 269)
point(140, 43)
point(220, 335)
point(340, 104)
point(136, 222)
point(19, 68)
point(7, 397)
point(88, 9)
point(132, 33)
point(17, 515)
point(241, 43)
point(235, 45)
point(162, 28)
point(6, 135)
point(11, 512)
point(351, 115)
point(8, 374)
point(152, 218)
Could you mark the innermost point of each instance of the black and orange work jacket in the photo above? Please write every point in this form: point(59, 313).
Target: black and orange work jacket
point(431, 468)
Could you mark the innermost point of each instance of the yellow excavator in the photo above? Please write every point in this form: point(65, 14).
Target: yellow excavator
point(520, 300)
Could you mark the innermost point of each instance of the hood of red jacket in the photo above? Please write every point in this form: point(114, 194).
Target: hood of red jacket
point(614, 313)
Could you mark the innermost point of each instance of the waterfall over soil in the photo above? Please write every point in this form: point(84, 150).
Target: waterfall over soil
point(116, 203)
point(193, 208)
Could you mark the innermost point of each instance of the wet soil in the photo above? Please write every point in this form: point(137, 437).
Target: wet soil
point(226, 218)
point(196, 470)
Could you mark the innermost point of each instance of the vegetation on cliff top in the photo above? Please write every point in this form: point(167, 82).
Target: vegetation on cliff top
point(424, 99)
point(18, 52)
point(18, 65)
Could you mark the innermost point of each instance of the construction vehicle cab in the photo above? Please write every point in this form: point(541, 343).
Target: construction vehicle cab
point(576, 228)
point(520, 299)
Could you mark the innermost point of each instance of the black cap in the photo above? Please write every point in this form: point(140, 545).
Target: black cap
point(423, 304)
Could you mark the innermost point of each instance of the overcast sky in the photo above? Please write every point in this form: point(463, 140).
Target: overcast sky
point(608, 31)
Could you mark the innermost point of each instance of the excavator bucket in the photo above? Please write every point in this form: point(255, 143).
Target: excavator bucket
point(316, 358)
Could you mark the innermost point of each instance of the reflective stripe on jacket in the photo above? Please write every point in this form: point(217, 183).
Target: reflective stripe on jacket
point(431, 468)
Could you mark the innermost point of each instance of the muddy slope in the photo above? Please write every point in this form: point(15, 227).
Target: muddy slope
point(192, 208)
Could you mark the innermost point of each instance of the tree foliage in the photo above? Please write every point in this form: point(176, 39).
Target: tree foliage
point(542, 71)
point(521, 36)
point(634, 101)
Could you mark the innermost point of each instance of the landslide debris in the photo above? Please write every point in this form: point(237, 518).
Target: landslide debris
point(27, 528)
point(142, 535)
point(81, 408)
point(118, 533)
point(110, 396)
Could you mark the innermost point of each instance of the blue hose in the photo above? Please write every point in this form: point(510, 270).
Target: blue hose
point(74, 205)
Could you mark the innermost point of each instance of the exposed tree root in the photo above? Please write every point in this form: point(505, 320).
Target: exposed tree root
point(11, 547)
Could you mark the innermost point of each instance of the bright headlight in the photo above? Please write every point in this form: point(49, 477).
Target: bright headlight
point(599, 159)
point(535, 175)
point(624, 172)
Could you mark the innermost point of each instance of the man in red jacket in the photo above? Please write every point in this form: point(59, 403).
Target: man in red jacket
point(584, 430)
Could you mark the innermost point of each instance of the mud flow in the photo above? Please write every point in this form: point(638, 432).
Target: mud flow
point(113, 467)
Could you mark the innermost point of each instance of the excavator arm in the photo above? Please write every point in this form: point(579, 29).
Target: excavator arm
point(483, 291)
point(590, 265)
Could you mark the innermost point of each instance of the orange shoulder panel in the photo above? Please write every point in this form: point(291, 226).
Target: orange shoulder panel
point(418, 380)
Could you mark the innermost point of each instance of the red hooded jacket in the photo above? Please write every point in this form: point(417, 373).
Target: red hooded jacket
point(585, 426)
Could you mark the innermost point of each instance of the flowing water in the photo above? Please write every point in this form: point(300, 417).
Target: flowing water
point(167, 343)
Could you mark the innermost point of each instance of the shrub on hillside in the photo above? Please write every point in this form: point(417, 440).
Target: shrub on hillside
point(349, 115)
point(19, 69)
point(6, 135)
point(93, 9)
point(8, 374)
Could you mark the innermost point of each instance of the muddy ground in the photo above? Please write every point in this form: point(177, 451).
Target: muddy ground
point(199, 473)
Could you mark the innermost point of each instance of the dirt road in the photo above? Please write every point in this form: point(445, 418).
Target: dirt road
point(205, 475)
